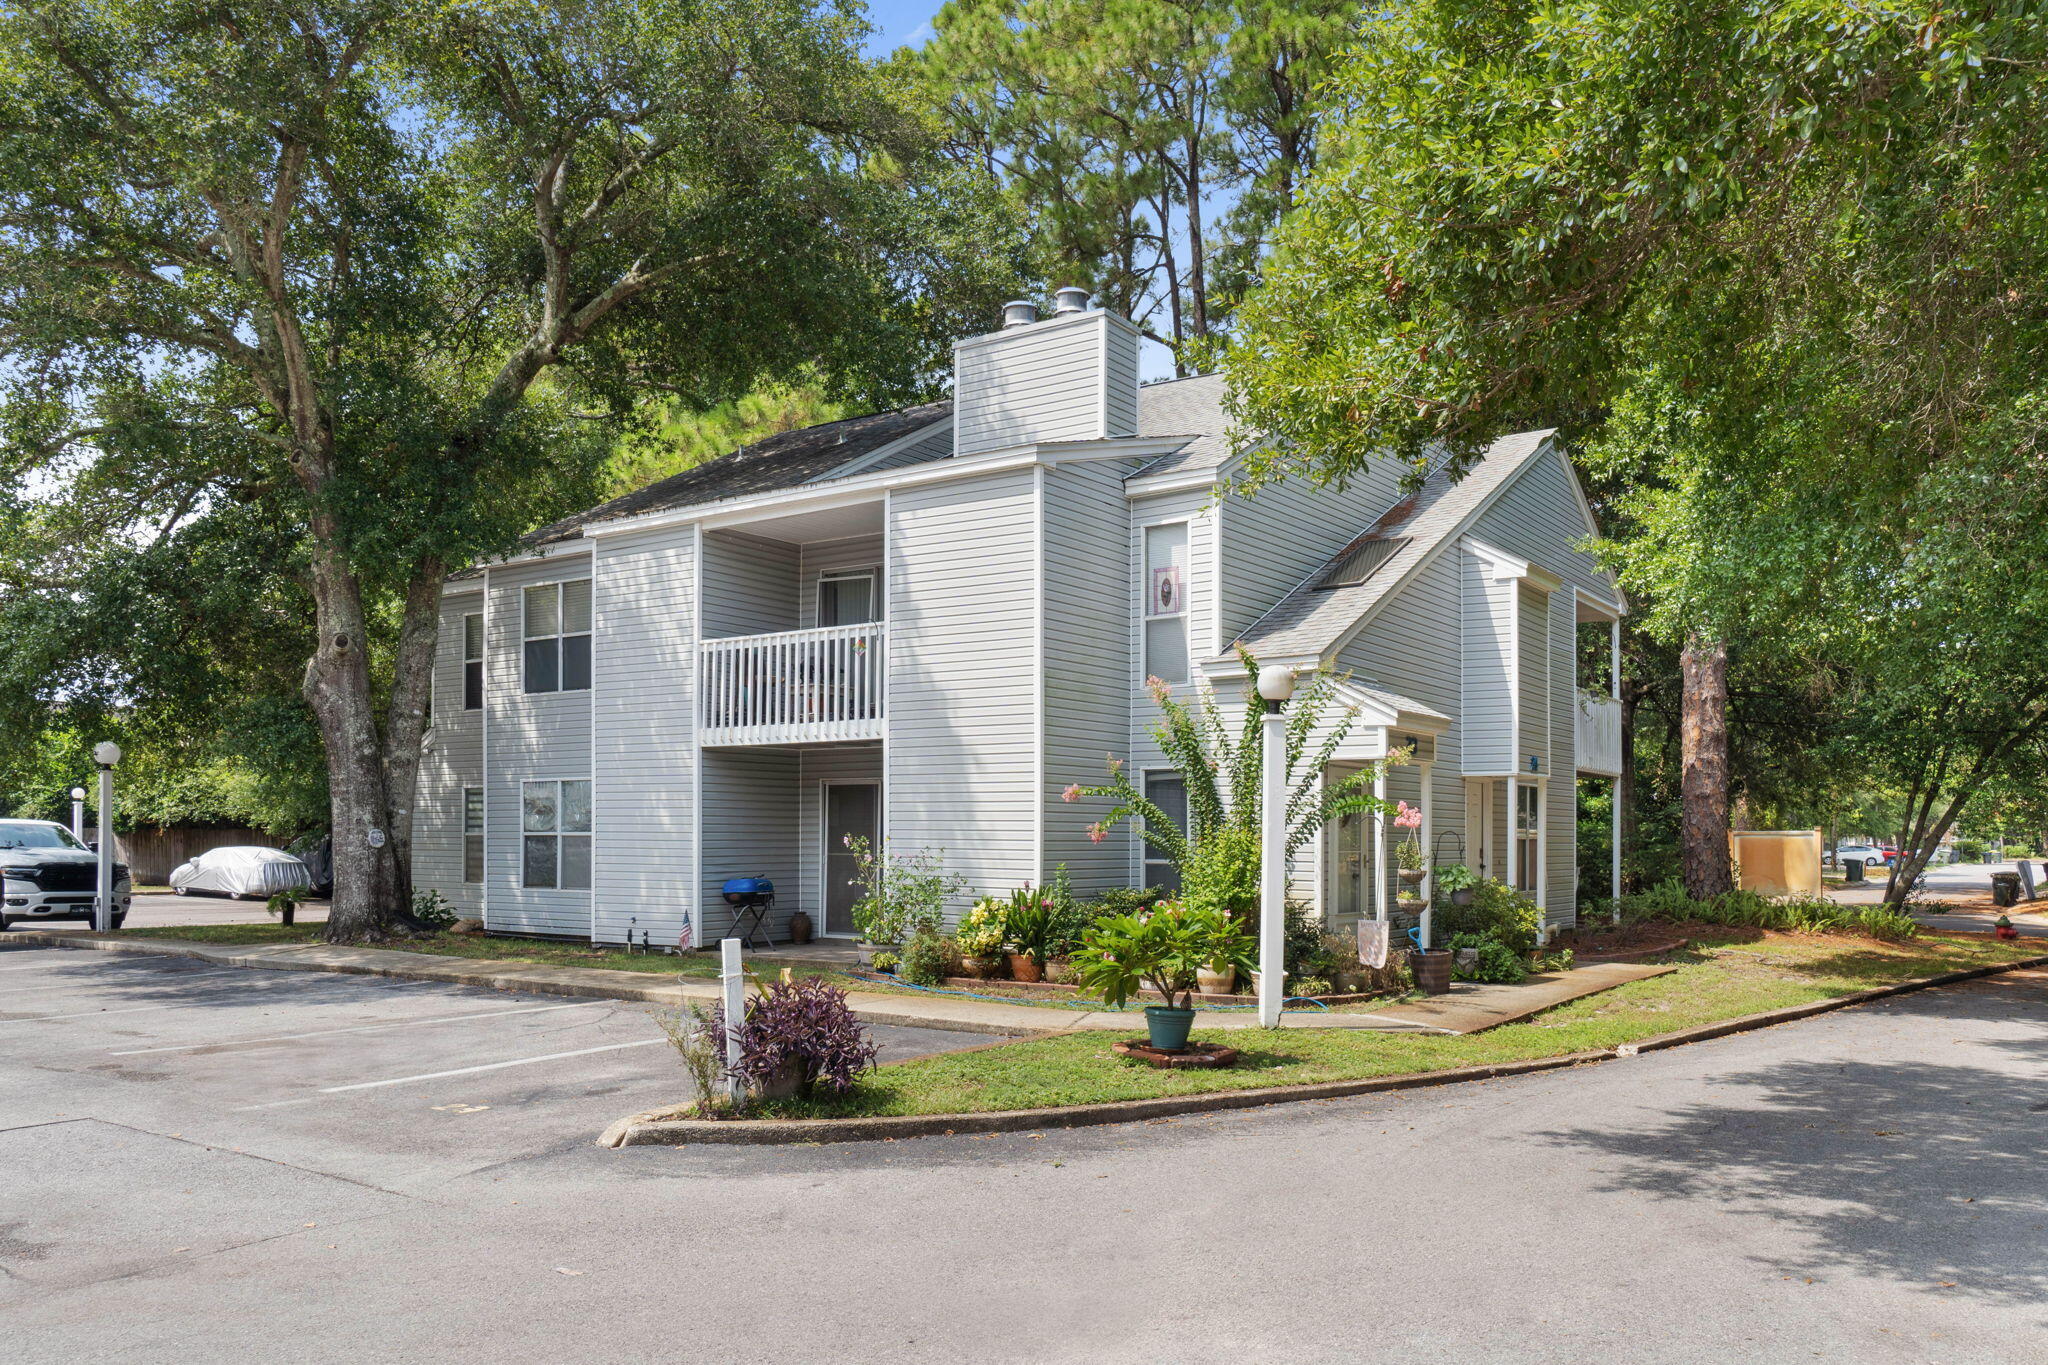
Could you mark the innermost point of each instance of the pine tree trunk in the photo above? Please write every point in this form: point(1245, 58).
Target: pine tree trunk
point(1625, 784)
point(1703, 785)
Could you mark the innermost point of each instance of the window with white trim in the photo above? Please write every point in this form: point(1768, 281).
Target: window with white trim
point(848, 598)
point(555, 821)
point(472, 834)
point(1165, 609)
point(555, 625)
point(1528, 822)
point(473, 661)
point(1167, 790)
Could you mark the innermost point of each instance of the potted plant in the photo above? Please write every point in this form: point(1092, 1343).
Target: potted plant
point(796, 1038)
point(1216, 978)
point(1028, 927)
point(1162, 949)
point(980, 937)
point(1456, 881)
point(1408, 853)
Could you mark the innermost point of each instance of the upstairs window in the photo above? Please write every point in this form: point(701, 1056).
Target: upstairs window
point(1166, 602)
point(555, 820)
point(848, 599)
point(557, 634)
point(473, 662)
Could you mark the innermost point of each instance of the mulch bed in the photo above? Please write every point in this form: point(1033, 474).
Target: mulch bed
point(1193, 1056)
point(1634, 942)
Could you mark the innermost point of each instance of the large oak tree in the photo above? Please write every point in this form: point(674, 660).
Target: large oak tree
point(391, 278)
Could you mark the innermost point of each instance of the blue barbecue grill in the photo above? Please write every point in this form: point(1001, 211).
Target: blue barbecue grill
point(751, 899)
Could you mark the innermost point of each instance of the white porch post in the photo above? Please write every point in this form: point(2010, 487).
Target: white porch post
point(1379, 848)
point(1428, 832)
point(1276, 685)
point(106, 754)
point(1543, 858)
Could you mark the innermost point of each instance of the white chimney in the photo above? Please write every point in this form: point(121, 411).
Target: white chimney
point(1071, 377)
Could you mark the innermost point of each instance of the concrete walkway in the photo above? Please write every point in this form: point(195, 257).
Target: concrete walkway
point(1468, 1009)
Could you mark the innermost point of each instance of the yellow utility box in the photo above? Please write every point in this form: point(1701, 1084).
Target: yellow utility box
point(1777, 862)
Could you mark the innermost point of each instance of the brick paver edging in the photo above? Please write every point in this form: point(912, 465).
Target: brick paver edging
point(642, 1130)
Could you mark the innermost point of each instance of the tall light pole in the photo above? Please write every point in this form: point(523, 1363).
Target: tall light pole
point(78, 814)
point(1276, 685)
point(106, 753)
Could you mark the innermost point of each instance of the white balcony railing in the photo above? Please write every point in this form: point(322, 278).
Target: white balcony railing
point(1599, 734)
point(793, 687)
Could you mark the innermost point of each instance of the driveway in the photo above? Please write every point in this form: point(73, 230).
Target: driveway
point(164, 910)
point(1965, 883)
point(1861, 1186)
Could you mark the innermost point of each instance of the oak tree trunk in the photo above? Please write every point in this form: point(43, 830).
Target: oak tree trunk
point(1703, 784)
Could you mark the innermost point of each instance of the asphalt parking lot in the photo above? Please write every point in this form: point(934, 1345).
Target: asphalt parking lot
point(390, 1082)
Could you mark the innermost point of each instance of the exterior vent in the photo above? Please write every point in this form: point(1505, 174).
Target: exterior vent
point(1072, 299)
point(1362, 559)
point(1019, 313)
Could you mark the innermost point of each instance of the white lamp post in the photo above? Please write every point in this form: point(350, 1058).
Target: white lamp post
point(1276, 685)
point(106, 753)
point(78, 814)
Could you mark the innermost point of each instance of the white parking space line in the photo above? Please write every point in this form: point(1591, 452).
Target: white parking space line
point(355, 1028)
point(487, 1066)
point(89, 982)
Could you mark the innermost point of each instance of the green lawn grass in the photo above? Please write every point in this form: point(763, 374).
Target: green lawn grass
point(1724, 978)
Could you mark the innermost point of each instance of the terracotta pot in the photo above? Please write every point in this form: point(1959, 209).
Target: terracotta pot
point(1024, 967)
point(800, 927)
point(981, 968)
point(1216, 983)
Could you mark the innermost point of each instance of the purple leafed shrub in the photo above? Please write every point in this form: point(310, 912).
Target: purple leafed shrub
point(806, 1022)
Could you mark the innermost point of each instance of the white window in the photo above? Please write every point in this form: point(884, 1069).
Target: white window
point(1169, 792)
point(1166, 602)
point(473, 662)
point(848, 599)
point(557, 634)
point(472, 834)
point(555, 818)
point(1528, 822)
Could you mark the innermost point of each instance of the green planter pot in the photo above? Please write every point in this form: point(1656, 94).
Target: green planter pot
point(1168, 1028)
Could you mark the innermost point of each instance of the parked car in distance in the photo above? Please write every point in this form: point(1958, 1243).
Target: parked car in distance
point(1868, 856)
point(241, 872)
point(49, 874)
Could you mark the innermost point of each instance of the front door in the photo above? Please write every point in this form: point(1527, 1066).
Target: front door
point(852, 810)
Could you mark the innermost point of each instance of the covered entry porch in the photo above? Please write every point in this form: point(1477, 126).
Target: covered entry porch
point(785, 813)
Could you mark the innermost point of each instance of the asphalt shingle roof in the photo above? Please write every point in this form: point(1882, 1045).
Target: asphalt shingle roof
point(1185, 407)
point(1309, 620)
point(784, 460)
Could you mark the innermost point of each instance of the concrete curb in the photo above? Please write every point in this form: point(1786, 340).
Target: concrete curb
point(642, 1130)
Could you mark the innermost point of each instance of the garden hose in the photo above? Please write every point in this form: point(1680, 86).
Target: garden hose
point(882, 980)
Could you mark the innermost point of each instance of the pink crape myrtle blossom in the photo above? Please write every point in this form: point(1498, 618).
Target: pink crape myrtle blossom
point(1072, 793)
point(1408, 817)
point(1096, 834)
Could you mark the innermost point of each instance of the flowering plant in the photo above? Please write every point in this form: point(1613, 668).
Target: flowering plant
point(1161, 948)
point(981, 929)
point(1028, 922)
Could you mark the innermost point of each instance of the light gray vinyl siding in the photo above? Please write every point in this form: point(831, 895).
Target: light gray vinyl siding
point(1088, 642)
point(1411, 647)
point(1537, 517)
point(1561, 816)
point(645, 671)
point(1532, 651)
point(1277, 537)
point(1044, 382)
point(454, 759)
point(750, 585)
point(963, 753)
point(817, 765)
point(750, 830)
point(1120, 398)
point(828, 556)
point(532, 738)
point(1194, 506)
point(1486, 717)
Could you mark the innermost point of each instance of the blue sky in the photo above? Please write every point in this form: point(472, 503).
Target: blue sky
point(900, 23)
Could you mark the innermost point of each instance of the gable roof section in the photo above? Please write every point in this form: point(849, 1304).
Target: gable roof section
point(1185, 406)
point(1312, 620)
point(784, 460)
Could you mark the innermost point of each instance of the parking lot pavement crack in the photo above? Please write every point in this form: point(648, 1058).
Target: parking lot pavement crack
point(258, 1156)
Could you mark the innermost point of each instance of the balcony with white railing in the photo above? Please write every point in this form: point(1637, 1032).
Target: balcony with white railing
point(792, 687)
point(1598, 728)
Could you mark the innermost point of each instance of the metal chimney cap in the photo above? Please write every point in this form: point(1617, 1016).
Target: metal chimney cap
point(1071, 299)
point(1019, 313)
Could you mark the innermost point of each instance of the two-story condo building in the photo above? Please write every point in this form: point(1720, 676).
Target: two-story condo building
point(923, 625)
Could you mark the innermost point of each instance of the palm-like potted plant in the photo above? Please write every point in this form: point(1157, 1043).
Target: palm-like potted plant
point(1028, 926)
point(1163, 950)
